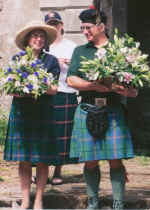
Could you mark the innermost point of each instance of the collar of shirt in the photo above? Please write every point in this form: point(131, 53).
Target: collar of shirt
point(90, 44)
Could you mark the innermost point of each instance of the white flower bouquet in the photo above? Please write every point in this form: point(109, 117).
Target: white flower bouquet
point(119, 61)
point(26, 75)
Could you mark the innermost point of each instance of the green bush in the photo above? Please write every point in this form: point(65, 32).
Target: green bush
point(3, 128)
point(3, 125)
point(144, 160)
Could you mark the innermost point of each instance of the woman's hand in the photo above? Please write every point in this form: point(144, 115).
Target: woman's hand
point(52, 90)
point(21, 96)
point(15, 95)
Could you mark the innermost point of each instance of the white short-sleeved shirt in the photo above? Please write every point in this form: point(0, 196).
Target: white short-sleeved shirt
point(63, 49)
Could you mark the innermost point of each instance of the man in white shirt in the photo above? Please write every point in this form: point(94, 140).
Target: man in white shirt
point(65, 102)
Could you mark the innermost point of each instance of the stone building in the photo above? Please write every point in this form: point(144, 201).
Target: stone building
point(15, 15)
point(128, 16)
point(131, 16)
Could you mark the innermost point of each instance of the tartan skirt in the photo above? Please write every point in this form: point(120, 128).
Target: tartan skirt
point(117, 143)
point(64, 105)
point(30, 131)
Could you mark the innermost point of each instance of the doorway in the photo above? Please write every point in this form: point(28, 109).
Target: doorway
point(138, 26)
point(138, 22)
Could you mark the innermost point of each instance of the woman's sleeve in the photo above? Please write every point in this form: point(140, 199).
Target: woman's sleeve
point(55, 69)
point(52, 65)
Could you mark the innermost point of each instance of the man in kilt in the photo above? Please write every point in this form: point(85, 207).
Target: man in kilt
point(116, 145)
point(65, 102)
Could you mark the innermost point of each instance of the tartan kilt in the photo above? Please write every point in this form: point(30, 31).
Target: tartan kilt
point(117, 143)
point(64, 105)
point(30, 131)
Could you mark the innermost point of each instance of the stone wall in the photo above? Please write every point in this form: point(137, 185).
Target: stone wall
point(13, 15)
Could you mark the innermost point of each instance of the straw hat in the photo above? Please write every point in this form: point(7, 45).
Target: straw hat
point(35, 25)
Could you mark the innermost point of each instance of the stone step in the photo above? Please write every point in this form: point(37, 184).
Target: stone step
point(57, 200)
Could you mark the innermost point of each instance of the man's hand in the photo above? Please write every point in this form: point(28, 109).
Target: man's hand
point(97, 86)
point(125, 91)
point(63, 61)
point(67, 61)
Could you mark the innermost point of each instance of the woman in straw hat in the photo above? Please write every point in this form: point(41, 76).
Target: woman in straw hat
point(29, 137)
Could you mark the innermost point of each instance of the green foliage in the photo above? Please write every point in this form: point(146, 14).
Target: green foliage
point(3, 126)
point(1, 179)
point(144, 160)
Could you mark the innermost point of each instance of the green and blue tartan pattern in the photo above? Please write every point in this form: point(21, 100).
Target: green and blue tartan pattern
point(30, 131)
point(117, 143)
point(64, 106)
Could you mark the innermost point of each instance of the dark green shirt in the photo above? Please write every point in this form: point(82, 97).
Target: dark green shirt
point(88, 50)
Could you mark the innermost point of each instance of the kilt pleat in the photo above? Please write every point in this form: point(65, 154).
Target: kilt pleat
point(64, 105)
point(117, 143)
point(30, 131)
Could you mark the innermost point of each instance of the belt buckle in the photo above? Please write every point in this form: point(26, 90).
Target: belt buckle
point(100, 102)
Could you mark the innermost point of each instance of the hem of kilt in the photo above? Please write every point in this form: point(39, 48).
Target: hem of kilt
point(84, 159)
point(53, 161)
point(49, 162)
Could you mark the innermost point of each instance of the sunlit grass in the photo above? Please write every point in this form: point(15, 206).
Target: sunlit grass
point(3, 126)
point(1, 179)
point(144, 160)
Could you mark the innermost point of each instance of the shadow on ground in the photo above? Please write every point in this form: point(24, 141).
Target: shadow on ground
point(58, 200)
point(72, 194)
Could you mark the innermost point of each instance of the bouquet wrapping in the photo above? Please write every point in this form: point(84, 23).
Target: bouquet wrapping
point(119, 61)
point(26, 75)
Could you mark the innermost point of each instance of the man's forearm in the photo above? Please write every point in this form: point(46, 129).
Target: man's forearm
point(79, 83)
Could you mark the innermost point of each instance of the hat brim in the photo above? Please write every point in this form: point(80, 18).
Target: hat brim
point(50, 31)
